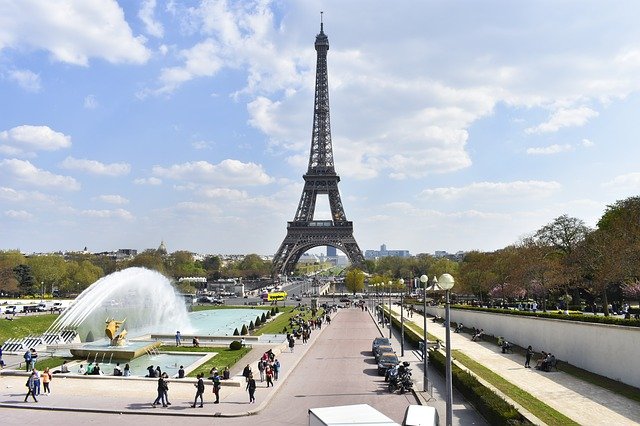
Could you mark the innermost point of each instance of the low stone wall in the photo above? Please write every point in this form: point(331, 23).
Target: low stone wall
point(608, 350)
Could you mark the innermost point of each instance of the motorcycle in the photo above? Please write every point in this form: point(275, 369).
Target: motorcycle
point(399, 378)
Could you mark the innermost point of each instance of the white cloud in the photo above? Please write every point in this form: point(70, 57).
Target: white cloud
point(587, 143)
point(18, 214)
point(152, 26)
point(629, 180)
point(25, 172)
point(26, 79)
point(113, 199)
point(223, 193)
point(18, 196)
point(153, 181)
point(96, 167)
point(36, 137)
point(549, 150)
point(72, 32)
point(564, 117)
point(90, 102)
point(108, 214)
point(228, 171)
point(522, 189)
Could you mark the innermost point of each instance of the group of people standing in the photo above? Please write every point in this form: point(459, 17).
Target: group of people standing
point(35, 380)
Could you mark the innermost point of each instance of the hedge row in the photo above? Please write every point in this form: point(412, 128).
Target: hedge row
point(493, 408)
point(579, 318)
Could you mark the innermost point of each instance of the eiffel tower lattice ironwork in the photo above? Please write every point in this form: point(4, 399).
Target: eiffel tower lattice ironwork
point(304, 233)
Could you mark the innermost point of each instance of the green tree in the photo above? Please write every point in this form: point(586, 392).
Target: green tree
point(149, 259)
point(354, 280)
point(48, 270)
point(25, 279)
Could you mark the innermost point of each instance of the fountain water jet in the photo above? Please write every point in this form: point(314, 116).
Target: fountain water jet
point(144, 297)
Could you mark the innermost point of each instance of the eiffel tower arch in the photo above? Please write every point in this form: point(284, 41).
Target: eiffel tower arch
point(305, 233)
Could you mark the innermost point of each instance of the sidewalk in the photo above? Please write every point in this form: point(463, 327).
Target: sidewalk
point(581, 401)
point(132, 395)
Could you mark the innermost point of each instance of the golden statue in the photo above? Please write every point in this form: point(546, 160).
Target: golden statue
point(111, 331)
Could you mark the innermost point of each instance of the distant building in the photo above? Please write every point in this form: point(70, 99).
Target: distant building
point(332, 251)
point(456, 257)
point(383, 252)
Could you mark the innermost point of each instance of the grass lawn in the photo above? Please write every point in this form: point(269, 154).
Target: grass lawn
point(525, 399)
point(23, 326)
point(280, 324)
point(225, 357)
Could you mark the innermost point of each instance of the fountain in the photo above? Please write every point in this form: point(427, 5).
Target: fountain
point(144, 297)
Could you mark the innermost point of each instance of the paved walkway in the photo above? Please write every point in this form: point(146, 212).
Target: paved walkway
point(583, 402)
point(133, 395)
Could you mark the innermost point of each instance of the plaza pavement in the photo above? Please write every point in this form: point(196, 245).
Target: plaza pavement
point(583, 402)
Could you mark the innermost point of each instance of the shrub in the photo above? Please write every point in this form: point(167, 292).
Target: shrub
point(273, 311)
point(251, 326)
point(277, 309)
point(263, 318)
point(494, 409)
point(244, 331)
point(235, 345)
point(268, 314)
point(258, 321)
point(235, 332)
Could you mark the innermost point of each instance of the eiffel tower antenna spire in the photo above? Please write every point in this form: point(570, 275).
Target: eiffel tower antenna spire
point(305, 233)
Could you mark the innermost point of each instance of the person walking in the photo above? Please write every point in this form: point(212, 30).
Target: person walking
point(178, 338)
point(268, 371)
point(199, 391)
point(27, 360)
point(31, 386)
point(246, 372)
point(166, 388)
point(161, 393)
point(528, 356)
point(251, 387)
point(276, 369)
point(261, 364)
point(292, 343)
point(216, 386)
point(46, 380)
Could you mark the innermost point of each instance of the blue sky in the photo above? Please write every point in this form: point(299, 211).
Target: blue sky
point(455, 125)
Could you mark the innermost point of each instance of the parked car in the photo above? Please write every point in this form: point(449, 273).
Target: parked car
point(10, 310)
point(386, 361)
point(382, 349)
point(379, 341)
point(57, 307)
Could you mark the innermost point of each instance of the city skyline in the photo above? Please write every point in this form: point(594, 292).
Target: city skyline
point(455, 126)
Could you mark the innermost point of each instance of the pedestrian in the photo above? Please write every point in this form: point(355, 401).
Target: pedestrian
point(166, 388)
point(251, 387)
point(127, 370)
point(528, 355)
point(34, 358)
point(46, 379)
point(246, 372)
point(178, 338)
point(181, 372)
point(37, 382)
point(27, 360)
point(31, 386)
point(161, 393)
point(261, 365)
point(268, 371)
point(199, 391)
point(292, 343)
point(276, 369)
point(216, 386)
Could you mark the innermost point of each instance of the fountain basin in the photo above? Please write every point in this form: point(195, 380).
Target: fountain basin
point(96, 350)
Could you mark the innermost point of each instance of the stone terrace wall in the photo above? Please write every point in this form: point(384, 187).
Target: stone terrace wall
point(608, 350)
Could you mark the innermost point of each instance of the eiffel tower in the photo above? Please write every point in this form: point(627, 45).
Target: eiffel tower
point(304, 233)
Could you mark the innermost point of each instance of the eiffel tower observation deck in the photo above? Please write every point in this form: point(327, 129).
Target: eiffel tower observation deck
point(305, 233)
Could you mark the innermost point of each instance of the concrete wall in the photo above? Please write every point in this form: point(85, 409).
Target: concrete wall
point(608, 350)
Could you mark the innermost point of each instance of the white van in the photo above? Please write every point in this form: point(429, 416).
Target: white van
point(420, 415)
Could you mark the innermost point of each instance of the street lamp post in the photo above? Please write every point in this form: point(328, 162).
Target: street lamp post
point(401, 281)
point(390, 309)
point(424, 280)
point(446, 283)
